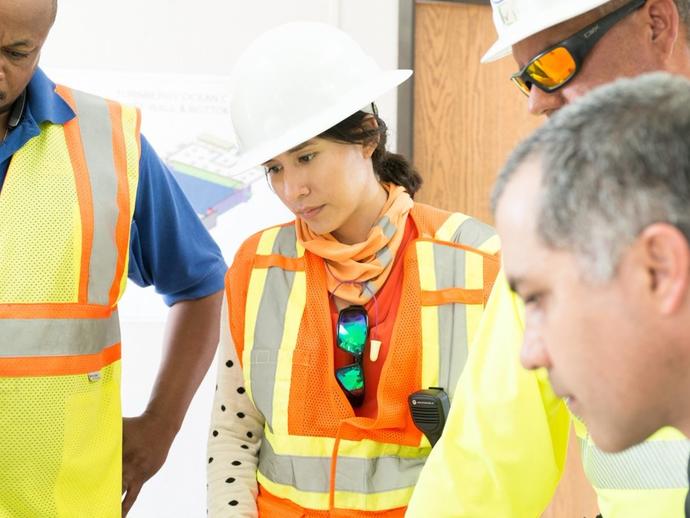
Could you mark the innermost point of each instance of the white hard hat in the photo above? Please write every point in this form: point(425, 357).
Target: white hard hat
point(516, 20)
point(296, 81)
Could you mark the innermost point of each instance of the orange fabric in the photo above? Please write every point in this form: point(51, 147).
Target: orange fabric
point(66, 95)
point(58, 365)
point(317, 405)
point(123, 217)
point(350, 267)
point(292, 264)
point(236, 283)
point(452, 295)
point(382, 315)
point(492, 264)
point(428, 219)
point(271, 506)
point(83, 186)
point(54, 311)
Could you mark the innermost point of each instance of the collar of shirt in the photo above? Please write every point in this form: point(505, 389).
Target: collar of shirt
point(43, 104)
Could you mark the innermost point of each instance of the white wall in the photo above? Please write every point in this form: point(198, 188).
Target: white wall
point(196, 38)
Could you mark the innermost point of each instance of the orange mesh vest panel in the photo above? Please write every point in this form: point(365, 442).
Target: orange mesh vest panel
point(65, 209)
point(317, 457)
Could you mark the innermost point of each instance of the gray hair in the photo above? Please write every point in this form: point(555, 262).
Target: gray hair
point(683, 7)
point(613, 162)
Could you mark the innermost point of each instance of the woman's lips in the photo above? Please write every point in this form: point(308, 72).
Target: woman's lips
point(309, 212)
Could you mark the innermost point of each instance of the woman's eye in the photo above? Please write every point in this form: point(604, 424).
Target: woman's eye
point(307, 158)
point(272, 169)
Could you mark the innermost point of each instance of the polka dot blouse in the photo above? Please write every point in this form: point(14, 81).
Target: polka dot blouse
point(234, 438)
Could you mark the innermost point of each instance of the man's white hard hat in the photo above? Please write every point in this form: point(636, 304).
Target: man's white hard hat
point(516, 20)
point(296, 81)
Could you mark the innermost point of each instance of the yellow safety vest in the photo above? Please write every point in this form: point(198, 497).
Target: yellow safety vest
point(66, 210)
point(649, 479)
point(317, 454)
point(504, 446)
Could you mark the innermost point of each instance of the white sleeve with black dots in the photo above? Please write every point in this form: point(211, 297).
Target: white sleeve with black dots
point(234, 438)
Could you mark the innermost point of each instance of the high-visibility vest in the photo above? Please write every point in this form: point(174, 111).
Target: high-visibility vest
point(65, 212)
point(505, 442)
point(649, 479)
point(317, 458)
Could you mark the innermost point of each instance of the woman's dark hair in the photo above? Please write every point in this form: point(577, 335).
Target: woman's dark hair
point(389, 167)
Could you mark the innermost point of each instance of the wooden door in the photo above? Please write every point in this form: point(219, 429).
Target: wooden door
point(467, 116)
point(467, 119)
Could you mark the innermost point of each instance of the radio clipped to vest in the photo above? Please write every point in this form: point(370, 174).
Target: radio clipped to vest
point(429, 409)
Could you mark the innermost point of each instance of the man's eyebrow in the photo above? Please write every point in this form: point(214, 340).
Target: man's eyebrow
point(20, 43)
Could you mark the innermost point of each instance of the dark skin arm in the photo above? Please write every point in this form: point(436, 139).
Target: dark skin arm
point(191, 338)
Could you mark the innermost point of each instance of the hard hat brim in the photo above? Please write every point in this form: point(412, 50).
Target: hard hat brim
point(503, 46)
point(366, 92)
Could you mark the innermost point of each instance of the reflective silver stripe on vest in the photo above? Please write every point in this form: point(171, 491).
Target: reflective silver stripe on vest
point(285, 243)
point(452, 318)
point(356, 475)
point(96, 134)
point(472, 233)
point(270, 325)
point(57, 336)
point(649, 465)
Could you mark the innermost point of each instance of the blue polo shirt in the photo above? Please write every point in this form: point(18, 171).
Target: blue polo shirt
point(169, 247)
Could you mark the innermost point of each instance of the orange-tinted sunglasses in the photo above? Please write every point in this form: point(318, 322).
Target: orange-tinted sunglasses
point(559, 64)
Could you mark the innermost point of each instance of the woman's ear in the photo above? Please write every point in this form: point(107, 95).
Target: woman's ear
point(369, 124)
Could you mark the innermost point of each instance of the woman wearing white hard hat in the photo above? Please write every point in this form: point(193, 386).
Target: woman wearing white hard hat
point(334, 319)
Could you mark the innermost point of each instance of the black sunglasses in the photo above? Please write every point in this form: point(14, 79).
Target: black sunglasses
point(556, 66)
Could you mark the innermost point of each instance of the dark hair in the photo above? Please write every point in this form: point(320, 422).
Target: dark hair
point(389, 167)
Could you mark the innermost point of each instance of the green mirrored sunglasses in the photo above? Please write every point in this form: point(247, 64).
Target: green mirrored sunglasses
point(351, 336)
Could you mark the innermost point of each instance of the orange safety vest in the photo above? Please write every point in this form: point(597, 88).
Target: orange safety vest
point(317, 458)
point(66, 210)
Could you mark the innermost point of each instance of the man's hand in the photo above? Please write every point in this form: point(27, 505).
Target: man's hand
point(146, 440)
point(191, 337)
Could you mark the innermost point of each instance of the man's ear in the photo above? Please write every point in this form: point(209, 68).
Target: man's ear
point(666, 254)
point(664, 23)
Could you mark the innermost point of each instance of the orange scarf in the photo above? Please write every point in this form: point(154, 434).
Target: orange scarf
point(358, 271)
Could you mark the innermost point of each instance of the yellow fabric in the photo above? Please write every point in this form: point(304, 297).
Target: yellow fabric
point(618, 503)
point(35, 434)
point(384, 501)
point(503, 449)
point(350, 267)
point(283, 375)
point(69, 426)
point(39, 174)
point(305, 446)
point(429, 320)
point(474, 280)
point(130, 126)
point(504, 445)
point(445, 232)
point(622, 503)
point(279, 437)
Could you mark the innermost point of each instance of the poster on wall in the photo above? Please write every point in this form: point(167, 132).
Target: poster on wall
point(186, 118)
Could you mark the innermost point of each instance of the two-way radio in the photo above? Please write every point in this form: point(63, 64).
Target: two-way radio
point(429, 409)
